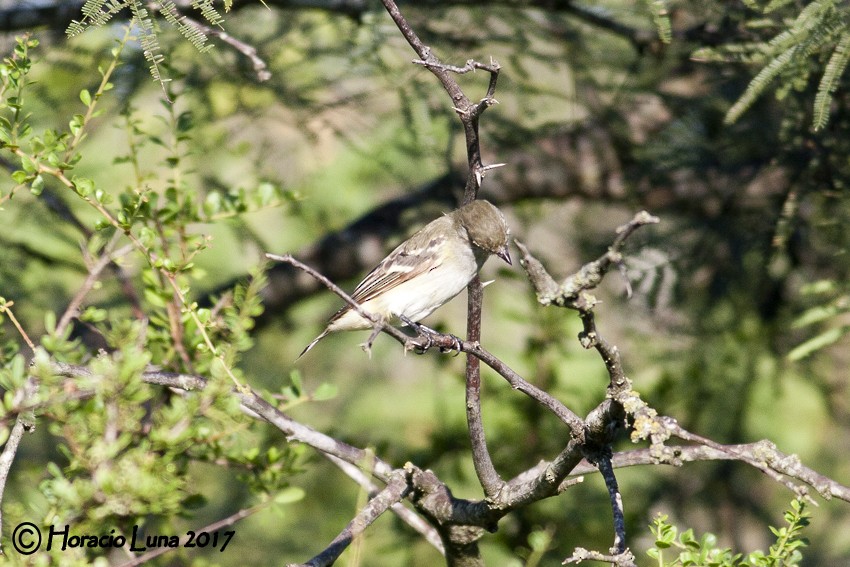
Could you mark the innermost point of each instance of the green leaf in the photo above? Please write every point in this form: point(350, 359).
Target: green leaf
point(325, 391)
point(815, 315)
point(37, 185)
point(204, 315)
point(76, 124)
point(29, 165)
point(85, 97)
point(218, 370)
point(295, 380)
point(687, 538)
point(50, 322)
point(817, 343)
point(289, 495)
point(83, 186)
point(212, 203)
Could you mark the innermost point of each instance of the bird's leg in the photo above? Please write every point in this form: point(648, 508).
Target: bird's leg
point(367, 346)
point(419, 330)
point(431, 334)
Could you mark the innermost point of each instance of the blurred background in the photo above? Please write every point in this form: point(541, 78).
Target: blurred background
point(737, 320)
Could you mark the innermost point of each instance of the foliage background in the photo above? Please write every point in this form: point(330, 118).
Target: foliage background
point(593, 124)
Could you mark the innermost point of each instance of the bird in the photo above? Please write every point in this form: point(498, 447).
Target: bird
point(426, 270)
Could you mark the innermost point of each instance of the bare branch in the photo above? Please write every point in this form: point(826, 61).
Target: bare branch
point(761, 454)
point(580, 554)
point(604, 464)
point(378, 324)
point(106, 260)
point(570, 292)
point(397, 489)
point(489, 478)
point(24, 423)
point(448, 342)
point(468, 112)
point(214, 526)
point(261, 69)
point(406, 515)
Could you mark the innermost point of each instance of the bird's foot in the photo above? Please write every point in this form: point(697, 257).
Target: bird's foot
point(367, 346)
point(432, 337)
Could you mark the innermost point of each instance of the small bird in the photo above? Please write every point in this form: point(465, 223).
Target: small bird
point(428, 269)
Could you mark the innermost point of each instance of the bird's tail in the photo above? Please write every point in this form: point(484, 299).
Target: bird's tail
point(312, 344)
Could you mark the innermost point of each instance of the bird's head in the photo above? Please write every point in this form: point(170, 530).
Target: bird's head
point(486, 227)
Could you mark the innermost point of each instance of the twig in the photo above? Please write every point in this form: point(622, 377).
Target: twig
point(471, 65)
point(249, 51)
point(215, 526)
point(8, 457)
point(517, 382)
point(443, 341)
point(571, 293)
point(765, 457)
point(580, 554)
point(467, 111)
point(760, 454)
point(604, 464)
point(590, 338)
point(489, 478)
point(405, 514)
point(5, 308)
point(378, 325)
point(396, 490)
point(55, 202)
point(107, 259)
point(23, 423)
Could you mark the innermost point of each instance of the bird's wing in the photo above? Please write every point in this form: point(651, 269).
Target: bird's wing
point(409, 260)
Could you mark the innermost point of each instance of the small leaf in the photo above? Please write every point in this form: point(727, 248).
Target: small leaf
point(295, 379)
point(289, 495)
point(816, 343)
point(37, 185)
point(83, 186)
point(325, 391)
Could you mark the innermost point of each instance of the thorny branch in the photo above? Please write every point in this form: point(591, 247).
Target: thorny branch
point(469, 114)
point(573, 293)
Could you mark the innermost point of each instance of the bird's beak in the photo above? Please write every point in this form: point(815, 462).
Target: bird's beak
point(504, 254)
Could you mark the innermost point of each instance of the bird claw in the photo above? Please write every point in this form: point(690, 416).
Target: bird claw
point(456, 345)
point(367, 346)
point(429, 335)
